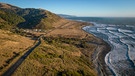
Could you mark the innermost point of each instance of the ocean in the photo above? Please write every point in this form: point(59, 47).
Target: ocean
point(119, 33)
point(107, 20)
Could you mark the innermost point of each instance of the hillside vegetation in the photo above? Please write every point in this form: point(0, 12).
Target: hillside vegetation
point(9, 20)
point(65, 51)
point(28, 18)
point(11, 47)
point(59, 57)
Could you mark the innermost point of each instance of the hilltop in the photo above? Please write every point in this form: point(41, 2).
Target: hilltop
point(27, 18)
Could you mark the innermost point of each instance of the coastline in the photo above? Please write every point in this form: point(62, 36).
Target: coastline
point(98, 57)
point(92, 52)
point(102, 47)
point(120, 59)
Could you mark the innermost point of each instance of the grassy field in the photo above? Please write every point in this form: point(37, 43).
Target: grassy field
point(11, 47)
point(59, 57)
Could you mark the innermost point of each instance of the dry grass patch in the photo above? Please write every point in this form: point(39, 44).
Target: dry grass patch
point(11, 47)
point(69, 29)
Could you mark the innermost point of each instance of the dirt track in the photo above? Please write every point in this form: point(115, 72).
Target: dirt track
point(11, 70)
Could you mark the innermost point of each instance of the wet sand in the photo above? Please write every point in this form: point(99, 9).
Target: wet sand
point(98, 58)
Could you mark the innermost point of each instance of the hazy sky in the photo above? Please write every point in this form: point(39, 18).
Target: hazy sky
point(94, 8)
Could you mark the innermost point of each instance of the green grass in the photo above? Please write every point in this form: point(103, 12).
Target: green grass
point(57, 57)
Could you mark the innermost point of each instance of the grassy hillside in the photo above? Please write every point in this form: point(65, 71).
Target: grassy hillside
point(11, 47)
point(59, 57)
point(27, 18)
point(9, 20)
point(65, 51)
point(49, 21)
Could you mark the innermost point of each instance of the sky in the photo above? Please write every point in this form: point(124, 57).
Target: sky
point(92, 8)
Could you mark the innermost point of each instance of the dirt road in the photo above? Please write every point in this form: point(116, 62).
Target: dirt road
point(11, 70)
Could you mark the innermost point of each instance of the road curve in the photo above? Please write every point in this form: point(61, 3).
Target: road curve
point(11, 70)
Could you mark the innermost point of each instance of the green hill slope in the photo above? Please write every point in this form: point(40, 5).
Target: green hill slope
point(9, 20)
point(27, 18)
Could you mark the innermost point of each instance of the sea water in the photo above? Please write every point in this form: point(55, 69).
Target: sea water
point(121, 37)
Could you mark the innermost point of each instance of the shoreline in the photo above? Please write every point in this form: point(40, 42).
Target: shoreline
point(99, 57)
point(77, 31)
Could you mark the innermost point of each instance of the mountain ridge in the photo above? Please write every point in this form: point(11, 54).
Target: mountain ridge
point(32, 18)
